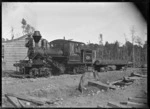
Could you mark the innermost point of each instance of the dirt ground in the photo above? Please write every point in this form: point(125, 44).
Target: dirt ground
point(63, 88)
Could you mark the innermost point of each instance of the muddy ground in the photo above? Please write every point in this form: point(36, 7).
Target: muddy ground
point(63, 88)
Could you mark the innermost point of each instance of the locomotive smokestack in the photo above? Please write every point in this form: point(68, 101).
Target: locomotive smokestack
point(36, 36)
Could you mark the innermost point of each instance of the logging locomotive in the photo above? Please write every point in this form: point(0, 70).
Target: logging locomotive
point(55, 57)
point(60, 56)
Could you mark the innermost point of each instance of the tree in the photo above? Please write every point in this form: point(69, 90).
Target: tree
point(27, 28)
point(115, 49)
point(24, 23)
point(138, 40)
point(129, 50)
point(144, 52)
point(12, 33)
point(133, 38)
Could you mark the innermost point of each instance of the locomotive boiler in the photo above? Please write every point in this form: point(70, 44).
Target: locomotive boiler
point(55, 57)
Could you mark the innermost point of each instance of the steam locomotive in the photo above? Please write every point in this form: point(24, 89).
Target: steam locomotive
point(55, 57)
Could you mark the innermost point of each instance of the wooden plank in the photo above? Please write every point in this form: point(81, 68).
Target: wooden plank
point(123, 83)
point(102, 106)
point(129, 83)
point(119, 83)
point(116, 105)
point(26, 98)
point(100, 85)
point(142, 97)
point(139, 100)
point(13, 101)
point(136, 74)
point(21, 103)
point(24, 104)
point(134, 78)
point(111, 83)
point(134, 105)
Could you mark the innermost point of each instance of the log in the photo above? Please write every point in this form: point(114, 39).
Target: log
point(116, 105)
point(134, 105)
point(138, 75)
point(139, 100)
point(123, 83)
point(100, 85)
point(111, 83)
point(119, 83)
point(13, 101)
point(129, 83)
point(26, 98)
point(134, 78)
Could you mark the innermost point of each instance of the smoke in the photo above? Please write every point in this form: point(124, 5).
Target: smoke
point(12, 15)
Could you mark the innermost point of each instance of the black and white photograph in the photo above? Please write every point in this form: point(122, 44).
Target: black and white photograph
point(74, 54)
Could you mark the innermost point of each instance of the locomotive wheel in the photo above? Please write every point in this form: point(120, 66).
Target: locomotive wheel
point(34, 72)
point(82, 69)
point(61, 68)
point(58, 68)
point(47, 72)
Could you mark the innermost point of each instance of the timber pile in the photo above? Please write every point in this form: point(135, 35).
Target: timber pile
point(26, 101)
point(128, 80)
point(131, 103)
point(135, 102)
point(125, 81)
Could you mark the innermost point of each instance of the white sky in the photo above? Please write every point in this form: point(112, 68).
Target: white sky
point(78, 21)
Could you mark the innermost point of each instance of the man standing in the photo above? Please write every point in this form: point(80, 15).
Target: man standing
point(83, 77)
point(96, 69)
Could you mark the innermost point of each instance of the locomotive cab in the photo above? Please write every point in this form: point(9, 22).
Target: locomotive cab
point(74, 51)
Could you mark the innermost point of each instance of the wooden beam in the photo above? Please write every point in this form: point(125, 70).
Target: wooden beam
point(139, 100)
point(111, 83)
point(100, 85)
point(26, 98)
point(134, 105)
point(116, 105)
point(134, 78)
point(102, 106)
point(25, 105)
point(142, 97)
point(138, 75)
point(13, 101)
point(21, 103)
